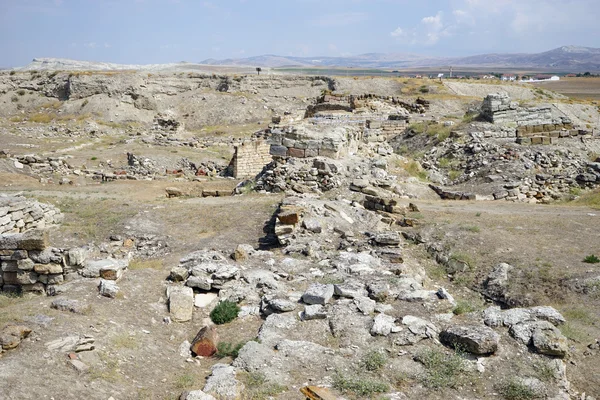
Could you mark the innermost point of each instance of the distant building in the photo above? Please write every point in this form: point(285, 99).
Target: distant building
point(510, 78)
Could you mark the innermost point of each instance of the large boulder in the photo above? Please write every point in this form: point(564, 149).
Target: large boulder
point(474, 339)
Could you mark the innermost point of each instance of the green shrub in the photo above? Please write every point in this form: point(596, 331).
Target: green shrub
point(424, 89)
point(226, 311)
point(12, 72)
point(374, 360)
point(591, 259)
point(227, 349)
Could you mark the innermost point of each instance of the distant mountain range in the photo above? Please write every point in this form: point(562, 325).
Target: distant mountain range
point(564, 59)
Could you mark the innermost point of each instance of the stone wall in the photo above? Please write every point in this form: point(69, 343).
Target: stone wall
point(301, 142)
point(250, 158)
point(498, 109)
point(28, 264)
point(18, 214)
point(379, 131)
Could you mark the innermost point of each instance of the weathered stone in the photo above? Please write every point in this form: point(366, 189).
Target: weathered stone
point(387, 238)
point(25, 264)
point(174, 192)
point(74, 306)
point(318, 294)
point(200, 282)
point(76, 256)
point(289, 217)
point(378, 291)
point(222, 383)
point(242, 252)
point(317, 393)
point(113, 271)
point(205, 342)
point(31, 240)
point(12, 335)
point(365, 305)
point(315, 311)
point(202, 300)
point(496, 284)
point(92, 268)
point(312, 224)
point(179, 274)
point(382, 325)
point(181, 303)
point(46, 269)
point(282, 305)
point(79, 366)
point(196, 395)
point(474, 339)
point(546, 339)
point(108, 288)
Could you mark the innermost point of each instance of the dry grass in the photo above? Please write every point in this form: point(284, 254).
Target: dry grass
point(591, 199)
point(138, 264)
point(47, 117)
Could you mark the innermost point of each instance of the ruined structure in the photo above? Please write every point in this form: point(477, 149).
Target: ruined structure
point(535, 125)
point(250, 158)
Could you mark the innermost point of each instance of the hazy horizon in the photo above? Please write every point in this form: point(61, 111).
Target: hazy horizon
point(165, 31)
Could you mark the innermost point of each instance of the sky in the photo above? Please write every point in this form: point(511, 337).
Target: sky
point(162, 31)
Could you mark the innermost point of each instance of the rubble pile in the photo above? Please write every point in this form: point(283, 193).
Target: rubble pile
point(302, 176)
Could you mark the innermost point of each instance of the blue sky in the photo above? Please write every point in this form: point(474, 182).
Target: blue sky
point(160, 31)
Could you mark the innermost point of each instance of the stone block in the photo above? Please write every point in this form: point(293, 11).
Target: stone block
point(280, 151)
point(181, 303)
point(298, 153)
point(46, 269)
point(31, 240)
point(311, 152)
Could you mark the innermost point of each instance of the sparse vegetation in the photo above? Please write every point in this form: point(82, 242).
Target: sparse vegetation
point(226, 311)
point(374, 360)
point(514, 389)
point(359, 386)
point(259, 388)
point(151, 263)
point(228, 349)
point(21, 92)
point(591, 259)
point(442, 369)
point(463, 307)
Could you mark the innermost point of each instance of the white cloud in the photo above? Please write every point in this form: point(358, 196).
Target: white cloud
point(91, 45)
point(398, 32)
